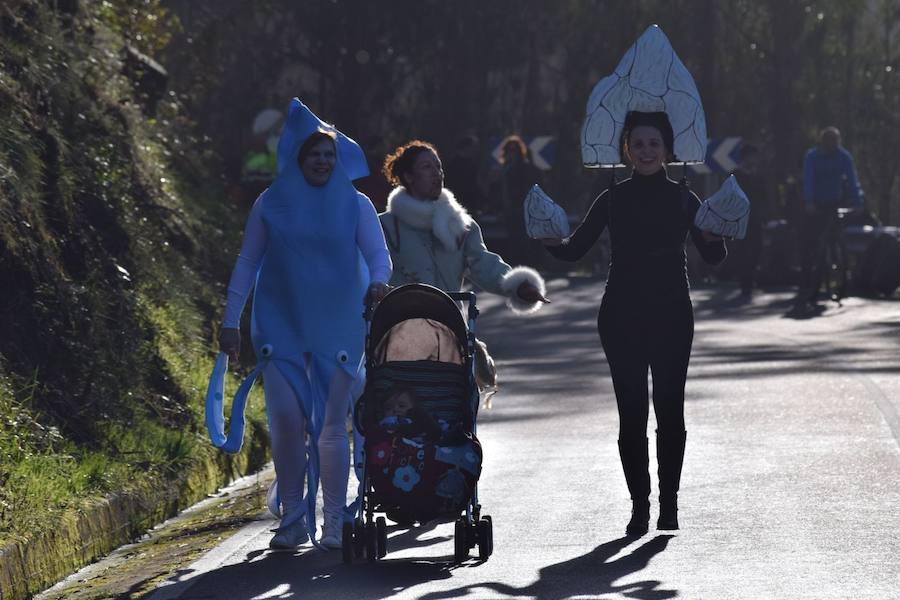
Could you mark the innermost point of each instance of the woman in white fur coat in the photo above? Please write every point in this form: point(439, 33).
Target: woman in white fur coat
point(433, 240)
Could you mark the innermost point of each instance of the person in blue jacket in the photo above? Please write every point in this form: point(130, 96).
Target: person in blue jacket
point(313, 252)
point(829, 182)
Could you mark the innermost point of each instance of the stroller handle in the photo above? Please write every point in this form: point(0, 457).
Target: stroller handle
point(462, 296)
point(466, 297)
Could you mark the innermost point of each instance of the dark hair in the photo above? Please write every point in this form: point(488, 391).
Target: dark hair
point(518, 142)
point(401, 160)
point(398, 391)
point(312, 140)
point(658, 120)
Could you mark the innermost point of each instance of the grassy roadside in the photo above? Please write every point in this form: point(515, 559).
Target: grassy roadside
point(135, 570)
point(114, 247)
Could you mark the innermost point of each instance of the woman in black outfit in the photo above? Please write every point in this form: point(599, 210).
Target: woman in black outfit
point(646, 318)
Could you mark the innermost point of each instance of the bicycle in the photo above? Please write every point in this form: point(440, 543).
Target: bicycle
point(833, 268)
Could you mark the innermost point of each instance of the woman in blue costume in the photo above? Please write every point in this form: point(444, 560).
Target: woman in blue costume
point(314, 249)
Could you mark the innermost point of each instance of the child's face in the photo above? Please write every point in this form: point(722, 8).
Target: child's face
point(398, 406)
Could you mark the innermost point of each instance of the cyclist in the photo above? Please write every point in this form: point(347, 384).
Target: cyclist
point(829, 183)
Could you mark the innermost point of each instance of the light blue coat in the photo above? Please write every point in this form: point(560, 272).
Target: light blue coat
point(438, 243)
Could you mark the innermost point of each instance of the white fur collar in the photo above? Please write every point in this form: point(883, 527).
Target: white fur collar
point(444, 217)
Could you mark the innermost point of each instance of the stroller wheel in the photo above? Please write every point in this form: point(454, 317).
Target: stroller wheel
point(371, 542)
point(485, 532)
point(381, 531)
point(347, 542)
point(358, 541)
point(461, 540)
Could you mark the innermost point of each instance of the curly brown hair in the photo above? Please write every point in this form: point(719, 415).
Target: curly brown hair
point(516, 142)
point(401, 160)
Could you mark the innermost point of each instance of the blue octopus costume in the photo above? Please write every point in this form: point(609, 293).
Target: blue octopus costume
point(307, 311)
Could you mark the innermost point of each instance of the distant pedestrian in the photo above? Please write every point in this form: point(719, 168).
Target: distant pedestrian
point(462, 175)
point(745, 253)
point(374, 185)
point(516, 177)
point(829, 183)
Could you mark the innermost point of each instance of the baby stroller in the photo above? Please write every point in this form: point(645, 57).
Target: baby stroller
point(417, 413)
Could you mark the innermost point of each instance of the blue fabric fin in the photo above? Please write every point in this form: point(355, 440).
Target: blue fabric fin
point(235, 438)
point(215, 407)
point(311, 394)
point(215, 401)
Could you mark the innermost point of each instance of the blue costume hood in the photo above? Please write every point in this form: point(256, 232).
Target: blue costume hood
point(300, 124)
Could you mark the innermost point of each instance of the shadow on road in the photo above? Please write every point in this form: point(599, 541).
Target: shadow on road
point(311, 573)
point(592, 574)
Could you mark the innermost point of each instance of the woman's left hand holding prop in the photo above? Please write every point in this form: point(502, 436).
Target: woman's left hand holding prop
point(376, 292)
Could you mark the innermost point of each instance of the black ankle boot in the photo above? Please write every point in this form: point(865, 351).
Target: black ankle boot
point(670, 456)
point(640, 519)
point(635, 463)
point(668, 514)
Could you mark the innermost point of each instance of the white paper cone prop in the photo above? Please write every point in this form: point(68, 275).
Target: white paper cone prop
point(726, 212)
point(543, 217)
point(649, 78)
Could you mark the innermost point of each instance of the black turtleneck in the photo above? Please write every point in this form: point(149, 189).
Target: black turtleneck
point(649, 219)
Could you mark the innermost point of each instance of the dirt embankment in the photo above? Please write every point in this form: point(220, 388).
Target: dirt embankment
point(115, 239)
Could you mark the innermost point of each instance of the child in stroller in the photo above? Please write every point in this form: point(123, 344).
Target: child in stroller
point(404, 415)
point(417, 413)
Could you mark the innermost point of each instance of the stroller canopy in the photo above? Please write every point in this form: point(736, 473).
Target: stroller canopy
point(423, 309)
point(419, 339)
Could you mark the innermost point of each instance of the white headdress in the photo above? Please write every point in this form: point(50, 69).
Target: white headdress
point(649, 78)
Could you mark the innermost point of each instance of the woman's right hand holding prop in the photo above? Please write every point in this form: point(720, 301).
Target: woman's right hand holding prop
point(230, 342)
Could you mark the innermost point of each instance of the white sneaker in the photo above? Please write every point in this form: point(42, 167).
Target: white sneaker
point(332, 531)
point(290, 536)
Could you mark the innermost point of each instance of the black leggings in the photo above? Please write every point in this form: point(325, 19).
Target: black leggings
point(636, 337)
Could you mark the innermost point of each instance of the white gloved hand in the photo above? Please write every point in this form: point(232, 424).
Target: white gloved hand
point(543, 217)
point(725, 213)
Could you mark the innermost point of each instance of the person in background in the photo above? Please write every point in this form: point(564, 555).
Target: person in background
point(746, 252)
point(829, 182)
point(462, 175)
point(374, 185)
point(516, 177)
point(260, 165)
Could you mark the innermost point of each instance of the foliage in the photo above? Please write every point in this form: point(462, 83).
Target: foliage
point(111, 230)
point(773, 72)
point(145, 23)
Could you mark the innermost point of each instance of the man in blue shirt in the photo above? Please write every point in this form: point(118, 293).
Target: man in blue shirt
point(829, 175)
point(829, 183)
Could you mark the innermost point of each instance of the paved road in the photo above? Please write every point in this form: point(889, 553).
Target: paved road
point(791, 485)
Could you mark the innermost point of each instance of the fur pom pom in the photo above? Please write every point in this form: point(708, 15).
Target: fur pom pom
point(510, 284)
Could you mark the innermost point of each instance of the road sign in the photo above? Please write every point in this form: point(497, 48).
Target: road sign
point(541, 148)
point(722, 156)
